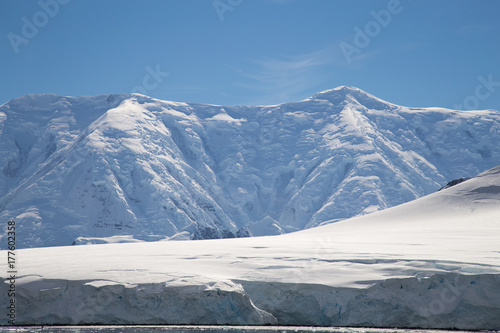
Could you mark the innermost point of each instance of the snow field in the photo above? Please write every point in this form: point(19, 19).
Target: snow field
point(430, 263)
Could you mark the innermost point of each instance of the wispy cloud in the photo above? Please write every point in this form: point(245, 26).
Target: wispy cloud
point(284, 78)
point(476, 28)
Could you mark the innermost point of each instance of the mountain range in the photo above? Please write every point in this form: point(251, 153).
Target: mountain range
point(131, 168)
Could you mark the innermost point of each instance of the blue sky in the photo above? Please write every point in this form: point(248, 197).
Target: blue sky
point(412, 53)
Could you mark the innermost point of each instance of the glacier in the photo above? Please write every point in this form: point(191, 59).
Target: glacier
point(430, 263)
point(127, 167)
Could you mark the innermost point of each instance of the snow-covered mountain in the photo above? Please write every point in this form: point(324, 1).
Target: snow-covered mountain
point(430, 263)
point(130, 167)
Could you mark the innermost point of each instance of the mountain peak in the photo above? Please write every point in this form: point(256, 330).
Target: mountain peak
point(343, 90)
point(349, 93)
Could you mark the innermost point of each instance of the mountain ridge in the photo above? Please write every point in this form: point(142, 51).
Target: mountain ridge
point(127, 164)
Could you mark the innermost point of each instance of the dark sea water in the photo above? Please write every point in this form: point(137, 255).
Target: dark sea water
point(206, 329)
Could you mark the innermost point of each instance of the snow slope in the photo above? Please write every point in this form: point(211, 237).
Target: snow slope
point(430, 263)
point(127, 167)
